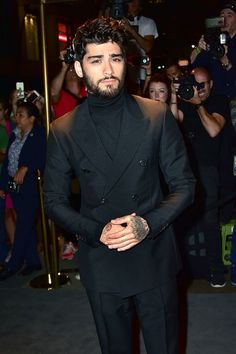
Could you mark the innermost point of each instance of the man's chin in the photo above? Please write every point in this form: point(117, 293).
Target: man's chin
point(109, 91)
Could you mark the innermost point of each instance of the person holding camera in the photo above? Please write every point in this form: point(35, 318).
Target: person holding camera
point(220, 61)
point(203, 119)
point(67, 89)
point(219, 56)
point(142, 32)
point(26, 154)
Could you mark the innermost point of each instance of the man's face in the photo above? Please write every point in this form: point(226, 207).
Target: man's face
point(204, 92)
point(173, 72)
point(103, 68)
point(229, 21)
point(134, 7)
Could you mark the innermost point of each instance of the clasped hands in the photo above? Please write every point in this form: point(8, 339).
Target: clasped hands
point(125, 232)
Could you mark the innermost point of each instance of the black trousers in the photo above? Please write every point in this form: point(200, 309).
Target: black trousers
point(209, 177)
point(157, 312)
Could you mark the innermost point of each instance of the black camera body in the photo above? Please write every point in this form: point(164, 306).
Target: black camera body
point(119, 9)
point(216, 40)
point(69, 56)
point(186, 86)
point(13, 187)
point(141, 60)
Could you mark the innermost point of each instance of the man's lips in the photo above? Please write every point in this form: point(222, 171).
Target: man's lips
point(108, 81)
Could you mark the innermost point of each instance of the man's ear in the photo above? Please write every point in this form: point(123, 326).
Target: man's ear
point(78, 68)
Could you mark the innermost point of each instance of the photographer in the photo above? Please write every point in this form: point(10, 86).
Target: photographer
point(142, 32)
point(67, 90)
point(222, 67)
point(204, 119)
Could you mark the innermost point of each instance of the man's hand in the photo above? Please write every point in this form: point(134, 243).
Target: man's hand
point(108, 230)
point(125, 232)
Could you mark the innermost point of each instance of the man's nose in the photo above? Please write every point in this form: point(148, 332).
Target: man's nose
point(108, 68)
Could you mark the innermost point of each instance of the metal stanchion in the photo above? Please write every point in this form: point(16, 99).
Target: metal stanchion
point(52, 279)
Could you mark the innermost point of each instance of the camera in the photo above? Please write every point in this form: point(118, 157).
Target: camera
point(215, 38)
point(118, 9)
point(141, 60)
point(69, 56)
point(186, 86)
point(13, 187)
point(32, 97)
point(216, 41)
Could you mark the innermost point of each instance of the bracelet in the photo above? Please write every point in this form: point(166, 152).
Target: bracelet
point(148, 74)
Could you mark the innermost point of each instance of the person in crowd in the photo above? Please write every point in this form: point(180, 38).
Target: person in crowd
point(159, 87)
point(203, 119)
point(222, 69)
point(67, 89)
point(26, 153)
point(117, 145)
point(8, 213)
point(173, 70)
point(222, 66)
point(3, 147)
point(142, 32)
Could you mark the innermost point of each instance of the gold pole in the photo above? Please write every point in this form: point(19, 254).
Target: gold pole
point(46, 280)
point(44, 226)
point(45, 68)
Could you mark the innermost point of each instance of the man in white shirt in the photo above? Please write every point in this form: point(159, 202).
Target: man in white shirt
point(143, 32)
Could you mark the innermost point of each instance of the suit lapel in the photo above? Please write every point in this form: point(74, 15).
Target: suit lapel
point(133, 129)
point(85, 135)
point(132, 132)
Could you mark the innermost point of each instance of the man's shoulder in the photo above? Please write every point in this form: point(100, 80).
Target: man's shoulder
point(150, 108)
point(66, 122)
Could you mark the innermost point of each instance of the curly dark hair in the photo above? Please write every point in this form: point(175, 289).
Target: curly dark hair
point(98, 31)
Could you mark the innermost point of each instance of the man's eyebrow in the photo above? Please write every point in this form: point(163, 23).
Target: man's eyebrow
point(120, 55)
point(95, 56)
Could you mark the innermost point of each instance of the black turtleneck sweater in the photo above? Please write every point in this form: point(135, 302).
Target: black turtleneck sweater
point(107, 116)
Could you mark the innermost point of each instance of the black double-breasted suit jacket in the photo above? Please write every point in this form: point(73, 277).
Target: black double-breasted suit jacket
point(150, 149)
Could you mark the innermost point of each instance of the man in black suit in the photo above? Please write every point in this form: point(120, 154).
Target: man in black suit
point(120, 147)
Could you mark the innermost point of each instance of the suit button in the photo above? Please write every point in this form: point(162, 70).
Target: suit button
point(102, 200)
point(134, 196)
point(143, 163)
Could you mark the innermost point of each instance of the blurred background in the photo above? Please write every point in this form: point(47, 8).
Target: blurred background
point(179, 22)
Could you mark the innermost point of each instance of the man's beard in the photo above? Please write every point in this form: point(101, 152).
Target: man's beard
point(109, 91)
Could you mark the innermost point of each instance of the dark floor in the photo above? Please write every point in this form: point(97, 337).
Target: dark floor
point(59, 321)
